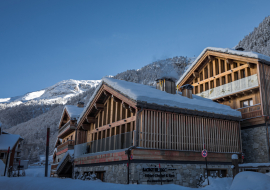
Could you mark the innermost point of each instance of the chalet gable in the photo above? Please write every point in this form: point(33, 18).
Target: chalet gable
point(70, 114)
point(228, 55)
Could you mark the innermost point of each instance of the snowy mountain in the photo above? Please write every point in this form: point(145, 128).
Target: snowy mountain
point(259, 39)
point(148, 74)
point(59, 93)
point(20, 109)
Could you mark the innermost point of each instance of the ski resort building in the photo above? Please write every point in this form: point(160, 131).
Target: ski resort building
point(240, 80)
point(133, 133)
point(64, 145)
point(10, 149)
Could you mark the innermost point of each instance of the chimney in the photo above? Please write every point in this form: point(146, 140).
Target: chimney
point(80, 104)
point(166, 84)
point(240, 49)
point(187, 90)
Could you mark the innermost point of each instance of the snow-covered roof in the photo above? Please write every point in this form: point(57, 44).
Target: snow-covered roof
point(147, 94)
point(249, 54)
point(74, 112)
point(8, 140)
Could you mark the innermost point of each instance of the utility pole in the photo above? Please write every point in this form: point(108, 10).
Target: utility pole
point(47, 152)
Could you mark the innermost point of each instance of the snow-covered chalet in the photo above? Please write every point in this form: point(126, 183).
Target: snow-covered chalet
point(133, 133)
point(64, 145)
point(241, 80)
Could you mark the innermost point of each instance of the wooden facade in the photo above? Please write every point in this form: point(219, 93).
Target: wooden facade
point(112, 121)
point(233, 80)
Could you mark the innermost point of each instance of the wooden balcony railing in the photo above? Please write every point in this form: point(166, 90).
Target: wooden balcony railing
point(251, 111)
point(231, 88)
point(64, 127)
point(69, 144)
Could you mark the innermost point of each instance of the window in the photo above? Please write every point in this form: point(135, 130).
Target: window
point(211, 69)
point(222, 66)
point(201, 88)
point(236, 76)
point(228, 66)
point(2, 155)
point(217, 67)
point(206, 86)
point(71, 137)
point(196, 89)
point(217, 172)
point(243, 74)
point(223, 80)
point(206, 72)
point(212, 84)
point(246, 103)
point(201, 76)
point(229, 78)
point(217, 82)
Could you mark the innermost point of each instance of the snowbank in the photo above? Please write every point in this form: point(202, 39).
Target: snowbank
point(25, 183)
point(251, 181)
point(37, 171)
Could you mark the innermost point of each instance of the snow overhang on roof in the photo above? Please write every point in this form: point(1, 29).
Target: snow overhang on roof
point(9, 140)
point(147, 95)
point(74, 112)
point(250, 54)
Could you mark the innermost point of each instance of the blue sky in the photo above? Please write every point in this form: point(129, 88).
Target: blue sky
point(44, 42)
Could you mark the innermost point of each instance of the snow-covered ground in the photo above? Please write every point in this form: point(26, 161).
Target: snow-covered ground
point(37, 171)
point(35, 180)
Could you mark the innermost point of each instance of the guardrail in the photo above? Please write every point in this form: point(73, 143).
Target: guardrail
point(251, 111)
point(69, 143)
point(115, 142)
point(63, 127)
point(230, 88)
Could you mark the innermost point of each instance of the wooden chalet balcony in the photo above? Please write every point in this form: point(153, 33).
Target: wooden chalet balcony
point(68, 144)
point(115, 142)
point(243, 84)
point(251, 111)
point(66, 130)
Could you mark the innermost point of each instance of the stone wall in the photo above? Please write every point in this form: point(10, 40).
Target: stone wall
point(254, 144)
point(147, 173)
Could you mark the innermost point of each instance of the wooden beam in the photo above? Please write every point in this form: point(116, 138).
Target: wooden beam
point(86, 126)
point(196, 74)
point(106, 93)
point(117, 123)
point(126, 106)
point(91, 119)
point(115, 99)
point(229, 61)
point(132, 110)
point(251, 65)
point(99, 106)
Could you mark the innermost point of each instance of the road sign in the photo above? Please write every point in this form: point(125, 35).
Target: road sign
point(131, 156)
point(204, 153)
